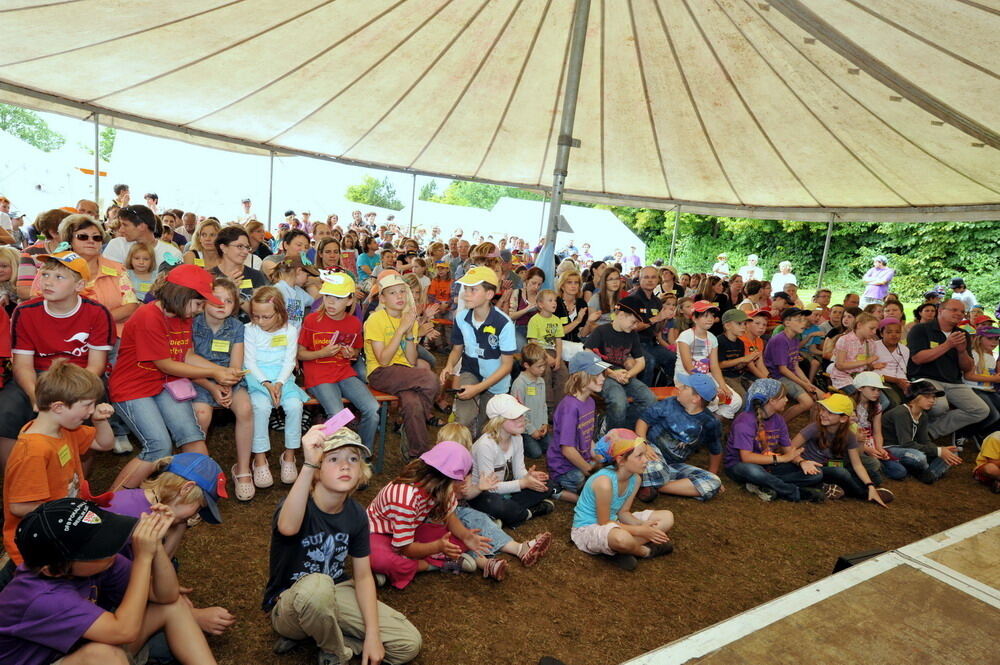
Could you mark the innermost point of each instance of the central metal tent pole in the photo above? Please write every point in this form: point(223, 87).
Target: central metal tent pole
point(581, 15)
point(270, 193)
point(413, 202)
point(673, 239)
point(97, 161)
point(826, 250)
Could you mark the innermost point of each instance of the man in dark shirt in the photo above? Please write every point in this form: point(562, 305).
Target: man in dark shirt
point(656, 355)
point(939, 352)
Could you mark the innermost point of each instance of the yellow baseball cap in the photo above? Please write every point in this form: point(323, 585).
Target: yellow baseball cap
point(478, 275)
point(839, 404)
point(71, 260)
point(337, 284)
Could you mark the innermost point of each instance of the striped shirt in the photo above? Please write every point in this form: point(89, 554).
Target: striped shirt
point(398, 509)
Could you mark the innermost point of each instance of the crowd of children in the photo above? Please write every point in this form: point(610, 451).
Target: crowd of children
point(525, 369)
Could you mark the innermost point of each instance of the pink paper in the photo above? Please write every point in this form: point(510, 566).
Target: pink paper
point(337, 421)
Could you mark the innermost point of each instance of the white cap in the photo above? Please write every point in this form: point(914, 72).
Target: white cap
point(869, 380)
point(506, 406)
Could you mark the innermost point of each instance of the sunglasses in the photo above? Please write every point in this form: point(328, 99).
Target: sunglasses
point(84, 236)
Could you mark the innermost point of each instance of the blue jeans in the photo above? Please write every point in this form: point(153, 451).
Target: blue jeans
point(474, 519)
point(572, 480)
point(262, 406)
point(619, 412)
point(657, 357)
point(354, 390)
point(845, 477)
point(161, 422)
point(916, 462)
point(785, 478)
point(535, 448)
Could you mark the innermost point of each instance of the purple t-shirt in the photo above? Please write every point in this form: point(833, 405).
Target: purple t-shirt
point(43, 618)
point(781, 350)
point(132, 503)
point(743, 435)
point(572, 425)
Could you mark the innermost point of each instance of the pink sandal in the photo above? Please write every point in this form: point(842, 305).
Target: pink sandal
point(537, 547)
point(262, 476)
point(244, 491)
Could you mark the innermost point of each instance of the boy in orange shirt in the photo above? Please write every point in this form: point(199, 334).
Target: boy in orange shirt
point(44, 464)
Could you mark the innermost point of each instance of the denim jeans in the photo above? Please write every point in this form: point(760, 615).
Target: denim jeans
point(476, 519)
point(619, 412)
point(572, 480)
point(845, 477)
point(785, 478)
point(916, 462)
point(657, 357)
point(535, 448)
point(354, 390)
point(262, 406)
point(161, 422)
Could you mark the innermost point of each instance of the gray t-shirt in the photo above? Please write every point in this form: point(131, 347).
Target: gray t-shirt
point(531, 392)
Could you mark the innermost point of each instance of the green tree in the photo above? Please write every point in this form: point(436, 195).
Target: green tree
point(480, 195)
point(106, 142)
point(429, 191)
point(29, 126)
point(375, 192)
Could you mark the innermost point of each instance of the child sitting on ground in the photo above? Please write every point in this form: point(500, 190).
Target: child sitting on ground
point(781, 357)
point(413, 524)
point(987, 469)
point(529, 389)
point(855, 352)
point(602, 519)
point(309, 592)
point(904, 429)
point(44, 464)
point(515, 494)
point(546, 329)
point(570, 453)
point(868, 418)
point(896, 357)
point(675, 428)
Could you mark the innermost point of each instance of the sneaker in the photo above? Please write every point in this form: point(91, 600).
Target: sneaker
point(542, 509)
point(466, 563)
point(812, 494)
point(122, 445)
point(996, 487)
point(283, 645)
point(534, 549)
point(660, 549)
point(647, 494)
point(495, 569)
point(380, 579)
point(886, 495)
point(327, 658)
point(832, 492)
point(624, 561)
point(927, 477)
point(762, 493)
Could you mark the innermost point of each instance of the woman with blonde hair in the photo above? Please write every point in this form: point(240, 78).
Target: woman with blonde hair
point(571, 308)
point(9, 259)
point(203, 252)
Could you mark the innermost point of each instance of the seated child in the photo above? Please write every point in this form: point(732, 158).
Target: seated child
point(895, 357)
point(868, 418)
point(309, 593)
point(829, 445)
point(987, 469)
point(734, 358)
point(76, 600)
point(570, 453)
point(413, 524)
point(602, 519)
point(141, 273)
point(546, 328)
point(760, 455)
point(698, 353)
point(904, 430)
point(290, 277)
point(811, 340)
point(675, 428)
point(44, 464)
point(529, 389)
point(515, 494)
point(781, 357)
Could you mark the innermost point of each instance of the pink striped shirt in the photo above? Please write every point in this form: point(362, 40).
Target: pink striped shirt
point(398, 509)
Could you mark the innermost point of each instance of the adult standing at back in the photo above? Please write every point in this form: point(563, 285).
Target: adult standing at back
point(751, 270)
point(784, 276)
point(877, 281)
point(721, 267)
point(961, 292)
point(939, 352)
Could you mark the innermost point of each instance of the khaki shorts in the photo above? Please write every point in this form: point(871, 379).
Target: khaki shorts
point(593, 538)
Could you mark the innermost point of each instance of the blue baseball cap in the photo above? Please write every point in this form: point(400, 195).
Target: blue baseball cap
point(587, 361)
point(206, 474)
point(702, 384)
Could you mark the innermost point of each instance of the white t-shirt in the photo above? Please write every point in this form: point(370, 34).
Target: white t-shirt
point(5, 221)
point(701, 353)
point(748, 273)
point(117, 250)
point(967, 299)
point(895, 361)
point(778, 281)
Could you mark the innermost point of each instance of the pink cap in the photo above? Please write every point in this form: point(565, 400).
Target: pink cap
point(450, 458)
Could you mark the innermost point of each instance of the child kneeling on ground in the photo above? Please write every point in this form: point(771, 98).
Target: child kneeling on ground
point(318, 525)
point(602, 520)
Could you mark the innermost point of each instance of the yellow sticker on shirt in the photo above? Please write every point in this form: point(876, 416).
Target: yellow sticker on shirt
point(220, 345)
point(108, 270)
point(246, 284)
point(531, 391)
point(489, 330)
point(279, 340)
point(65, 455)
point(145, 287)
point(200, 262)
point(934, 344)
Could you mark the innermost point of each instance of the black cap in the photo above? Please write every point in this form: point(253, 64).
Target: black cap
point(632, 305)
point(71, 530)
point(957, 282)
point(289, 213)
point(922, 387)
point(793, 311)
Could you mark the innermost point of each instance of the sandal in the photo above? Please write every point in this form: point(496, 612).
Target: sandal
point(534, 549)
point(833, 492)
point(495, 569)
point(244, 491)
point(289, 472)
point(262, 476)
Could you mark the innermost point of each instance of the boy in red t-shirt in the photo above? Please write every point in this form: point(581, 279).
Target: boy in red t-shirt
point(58, 324)
point(45, 462)
point(329, 342)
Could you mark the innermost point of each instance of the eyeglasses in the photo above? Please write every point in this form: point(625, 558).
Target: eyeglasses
point(84, 236)
point(242, 248)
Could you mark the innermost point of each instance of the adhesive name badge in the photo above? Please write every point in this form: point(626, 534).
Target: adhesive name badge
point(531, 391)
point(64, 455)
point(934, 344)
point(655, 311)
point(200, 262)
point(108, 270)
point(145, 287)
point(246, 284)
point(279, 340)
point(836, 464)
point(490, 330)
point(220, 345)
point(337, 421)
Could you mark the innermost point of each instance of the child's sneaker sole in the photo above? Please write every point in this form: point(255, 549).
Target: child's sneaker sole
point(760, 492)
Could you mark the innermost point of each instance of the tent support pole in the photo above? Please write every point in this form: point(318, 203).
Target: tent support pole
point(270, 192)
point(578, 39)
point(826, 250)
point(413, 202)
point(673, 239)
point(97, 161)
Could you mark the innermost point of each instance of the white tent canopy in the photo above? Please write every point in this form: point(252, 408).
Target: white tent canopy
point(875, 110)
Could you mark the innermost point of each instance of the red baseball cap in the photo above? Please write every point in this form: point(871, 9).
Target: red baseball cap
point(759, 312)
point(194, 277)
point(704, 306)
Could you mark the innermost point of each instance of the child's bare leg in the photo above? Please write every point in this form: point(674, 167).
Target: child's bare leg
point(94, 653)
point(662, 520)
point(513, 547)
point(805, 402)
point(624, 542)
point(244, 430)
point(132, 474)
point(203, 414)
point(992, 469)
point(187, 642)
point(679, 487)
point(195, 447)
point(568, 497)
point(813, 367)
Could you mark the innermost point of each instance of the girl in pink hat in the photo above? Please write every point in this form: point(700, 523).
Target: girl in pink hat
point(414, 528)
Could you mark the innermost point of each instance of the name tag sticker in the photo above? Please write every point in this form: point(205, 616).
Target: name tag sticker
point(490, 330)
point(200, 262)
point(836, 464)
point(220, 345)
point(246, 284)
point(145, 287)
point(934, 345)
point(64, 455)
point(531, 391)
point(108, 270)
point(279, 340)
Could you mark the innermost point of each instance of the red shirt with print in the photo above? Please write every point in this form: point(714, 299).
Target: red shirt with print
point(36, 332)
point(317, 331)
point(149, 335)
